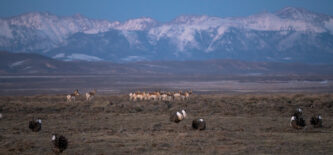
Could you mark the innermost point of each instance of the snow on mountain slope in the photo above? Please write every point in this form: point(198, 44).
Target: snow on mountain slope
point(184, 28)
point(292, 33)
point(137, 24)
point(78, 56)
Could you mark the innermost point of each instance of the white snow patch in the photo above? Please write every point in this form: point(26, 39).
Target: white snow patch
point(5, 29)
point(92, 31)
point(137, 24)
point(134, 58)
point(26, 68)
point(17, 63)
point(156, 66)
point(84, 57)
point(183, 29)
point(329, 25)
point(131, 37)
point(60, 55)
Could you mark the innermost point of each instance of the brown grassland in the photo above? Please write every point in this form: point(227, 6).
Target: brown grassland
point(236, 124)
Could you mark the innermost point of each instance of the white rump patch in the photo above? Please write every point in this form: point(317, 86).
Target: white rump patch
point(293, 118)
point(201, 120)
point(299, 110)
point(53, 137)
point(319, 117)
point(39, 121)
point(179, 115)
point(184, 113)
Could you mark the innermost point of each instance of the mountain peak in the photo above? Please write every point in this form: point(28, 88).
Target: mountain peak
point(298, 14)
point(138, 24)
point(147, 20)
point(77, 15)
point(279, 36)
point(187, 19)
point(290, 9)
point(34, 14)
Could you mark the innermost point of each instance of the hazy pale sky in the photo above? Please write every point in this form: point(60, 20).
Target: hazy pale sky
point(161, 10)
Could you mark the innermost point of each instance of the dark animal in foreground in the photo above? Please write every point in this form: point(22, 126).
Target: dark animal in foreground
point(178, 116)
point(297, 121)
point(60, 143)
point(316, 121)
point(298, 113)
point(35, 125)
point(199, 124)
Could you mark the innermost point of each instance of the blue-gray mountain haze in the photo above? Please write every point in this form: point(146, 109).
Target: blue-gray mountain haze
point(288, 35)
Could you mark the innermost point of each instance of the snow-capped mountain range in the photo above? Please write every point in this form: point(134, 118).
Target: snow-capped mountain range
point(290, 34)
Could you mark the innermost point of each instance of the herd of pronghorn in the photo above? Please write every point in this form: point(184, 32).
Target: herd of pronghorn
point(296, 120)
point(141, 96)
point(160, 95)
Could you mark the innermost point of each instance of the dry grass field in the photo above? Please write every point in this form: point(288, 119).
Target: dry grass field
point(236, 124)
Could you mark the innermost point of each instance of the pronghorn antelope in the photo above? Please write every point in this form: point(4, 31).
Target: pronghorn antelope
point(154, 96)
point(187, 94)
point(131, 96)
point(176, 95)
point(140, 95)
point(165, 96)
point(145, 96)
point(137, 95)
point(160, 95)
point(90, 95)
point(71, 97)
point(169, 96)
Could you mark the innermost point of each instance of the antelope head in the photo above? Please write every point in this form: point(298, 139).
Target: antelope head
point(76, 92)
